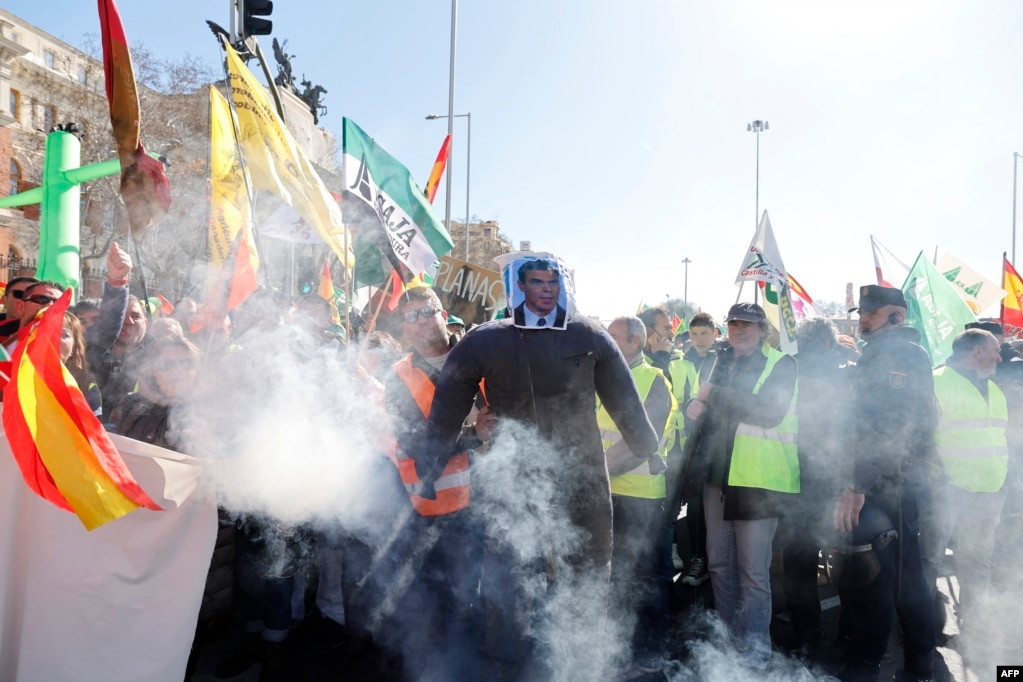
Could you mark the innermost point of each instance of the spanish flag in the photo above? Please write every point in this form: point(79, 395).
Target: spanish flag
point(326, 292)
point(145, 189)
point(438, 170)
point(1012, 304)
point(63, 452)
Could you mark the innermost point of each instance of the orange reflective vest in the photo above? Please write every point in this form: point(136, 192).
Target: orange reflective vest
point(452, 487)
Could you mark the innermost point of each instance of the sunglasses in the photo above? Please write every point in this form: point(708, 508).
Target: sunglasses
point(18, 293)
point(40, 299)
point(426, 311)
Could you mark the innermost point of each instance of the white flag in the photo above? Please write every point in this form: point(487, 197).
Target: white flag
point(978, 291)
point(891, 272)
point(762, 263)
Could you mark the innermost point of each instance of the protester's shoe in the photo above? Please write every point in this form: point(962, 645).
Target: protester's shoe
point(697, 573)
point(272, 655)
point(244, 657)
point(676, 560)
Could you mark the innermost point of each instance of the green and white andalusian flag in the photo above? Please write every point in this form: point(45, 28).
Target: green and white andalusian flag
point(387, 210)
point(934, 307)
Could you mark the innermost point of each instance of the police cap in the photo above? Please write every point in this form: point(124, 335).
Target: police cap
point(873, 297)
point(993, 327)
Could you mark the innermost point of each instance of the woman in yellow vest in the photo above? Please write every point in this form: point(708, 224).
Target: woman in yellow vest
point(744, 449)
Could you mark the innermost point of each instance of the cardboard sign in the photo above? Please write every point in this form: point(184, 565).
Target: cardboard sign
point(469, 291)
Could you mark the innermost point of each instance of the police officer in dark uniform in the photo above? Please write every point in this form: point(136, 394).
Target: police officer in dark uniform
point(894, 457)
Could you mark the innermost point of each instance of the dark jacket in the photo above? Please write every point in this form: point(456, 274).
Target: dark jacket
point(894, 415)
point(548, 379)
point(140, 418)
point(825, 399)
point(732, 401)
point(116, 375)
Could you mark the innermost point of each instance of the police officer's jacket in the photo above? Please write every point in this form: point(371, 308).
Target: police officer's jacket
point(894, 414)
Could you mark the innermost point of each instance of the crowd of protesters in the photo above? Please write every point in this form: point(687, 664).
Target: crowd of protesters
point(849, 460)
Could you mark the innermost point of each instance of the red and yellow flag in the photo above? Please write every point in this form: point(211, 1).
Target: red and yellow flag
point(438, 170)
point(145, 189)
point(61, 448)
point(326, 292)
point(1012, 304)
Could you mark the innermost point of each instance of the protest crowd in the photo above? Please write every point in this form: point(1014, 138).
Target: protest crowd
point(538, 489)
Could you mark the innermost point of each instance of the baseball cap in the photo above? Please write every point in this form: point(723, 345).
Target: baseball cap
point(746, 312)
point(455, 320)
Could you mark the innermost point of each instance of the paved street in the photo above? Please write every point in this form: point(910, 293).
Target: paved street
point(700, 656)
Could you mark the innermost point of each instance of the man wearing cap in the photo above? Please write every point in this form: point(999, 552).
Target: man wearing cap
point(456, 327)
point(742, 451)
point(894, 421)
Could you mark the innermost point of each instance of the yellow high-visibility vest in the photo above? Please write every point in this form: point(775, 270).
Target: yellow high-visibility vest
point(766, 458)
point(971, 433)
point(639, 482)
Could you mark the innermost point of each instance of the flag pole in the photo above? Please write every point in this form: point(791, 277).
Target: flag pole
point(1001, 308)
point(371, 325)
point(142, 275)
point(245, 171)
point(348, 290)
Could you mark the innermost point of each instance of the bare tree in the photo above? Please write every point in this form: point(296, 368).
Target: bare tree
point(173, 97)
point(684, 309)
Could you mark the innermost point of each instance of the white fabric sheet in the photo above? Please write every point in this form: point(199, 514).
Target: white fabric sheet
point(117, 603)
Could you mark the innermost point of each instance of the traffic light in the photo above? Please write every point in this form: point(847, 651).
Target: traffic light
point(252, 23)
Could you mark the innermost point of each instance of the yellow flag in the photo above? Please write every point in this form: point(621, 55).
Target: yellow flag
point(274, 161)
point(229, 200)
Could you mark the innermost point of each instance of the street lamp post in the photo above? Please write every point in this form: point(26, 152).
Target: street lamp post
point(1016, 156)
point(468, 157)
point(757, 127)
point(685, 290)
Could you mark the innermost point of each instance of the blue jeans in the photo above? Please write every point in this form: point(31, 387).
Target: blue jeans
point(640, 572)
point(739, 561)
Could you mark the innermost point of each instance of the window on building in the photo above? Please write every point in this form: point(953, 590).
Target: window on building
point(486, 232)
point(49, 59)
point(16, 37)
point(15, 104)
point(14, 181)
point(49, 117)
point(83, 76)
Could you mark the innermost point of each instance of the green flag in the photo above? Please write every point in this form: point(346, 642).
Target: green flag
point(386, 209)
point(935, 308)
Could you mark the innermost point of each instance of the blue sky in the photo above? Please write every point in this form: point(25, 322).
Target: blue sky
point(614, 134)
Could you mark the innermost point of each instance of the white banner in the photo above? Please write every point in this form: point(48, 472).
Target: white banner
point(119, 603)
